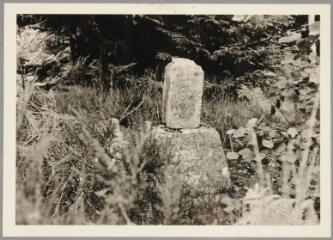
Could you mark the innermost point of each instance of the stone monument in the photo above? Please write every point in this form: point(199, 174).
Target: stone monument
point(182, 94)
point(190, 152)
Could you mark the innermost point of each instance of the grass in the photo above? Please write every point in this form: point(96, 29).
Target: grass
point(67, 175)
point(62, 134)
point(227, 114)
point(134, 107)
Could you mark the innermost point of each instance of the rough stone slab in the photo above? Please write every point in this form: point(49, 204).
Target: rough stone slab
point(195, 155)
point(182, 94)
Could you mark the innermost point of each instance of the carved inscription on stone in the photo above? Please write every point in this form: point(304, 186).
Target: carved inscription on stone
point(182, 94)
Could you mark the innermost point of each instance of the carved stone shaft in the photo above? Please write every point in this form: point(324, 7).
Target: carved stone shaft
point(182, 94)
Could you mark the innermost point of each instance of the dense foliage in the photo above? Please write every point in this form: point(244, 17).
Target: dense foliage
point(229, 46)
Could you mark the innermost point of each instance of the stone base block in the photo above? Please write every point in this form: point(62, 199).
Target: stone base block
point(187, 174)
point(195, 156)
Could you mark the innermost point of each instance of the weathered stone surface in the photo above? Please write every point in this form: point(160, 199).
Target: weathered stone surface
point(182, 94)
point(186, 166)
point(195, 155)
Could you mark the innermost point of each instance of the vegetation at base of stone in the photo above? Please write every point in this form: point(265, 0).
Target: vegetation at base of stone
point(86, 85)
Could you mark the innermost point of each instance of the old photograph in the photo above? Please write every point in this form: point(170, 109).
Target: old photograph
point(167, 119)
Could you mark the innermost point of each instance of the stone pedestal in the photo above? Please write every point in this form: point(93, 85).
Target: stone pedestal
point(196, 156)
point(192, 174)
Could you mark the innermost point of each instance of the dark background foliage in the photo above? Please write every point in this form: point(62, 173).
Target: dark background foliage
point(220, 44)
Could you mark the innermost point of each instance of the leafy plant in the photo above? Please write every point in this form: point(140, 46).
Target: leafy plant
point(290, 142)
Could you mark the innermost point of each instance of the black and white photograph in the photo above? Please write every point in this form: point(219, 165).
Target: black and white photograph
point(168, 119)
